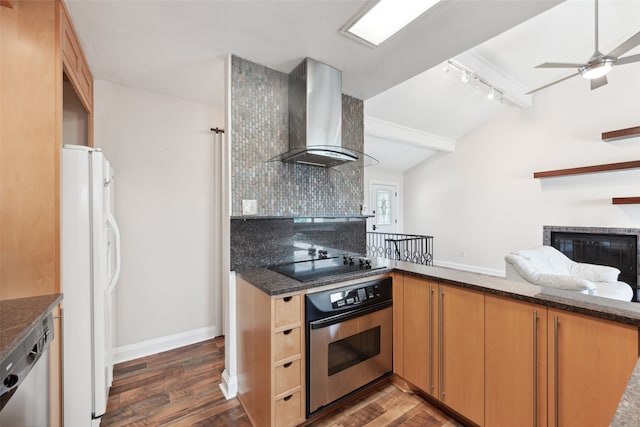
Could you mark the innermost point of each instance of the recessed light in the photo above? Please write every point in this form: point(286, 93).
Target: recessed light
point(383, 18)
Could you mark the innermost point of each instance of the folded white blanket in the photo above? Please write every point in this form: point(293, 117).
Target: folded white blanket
point(561, 281)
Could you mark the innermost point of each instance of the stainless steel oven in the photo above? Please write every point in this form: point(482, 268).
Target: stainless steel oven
point(349, 340)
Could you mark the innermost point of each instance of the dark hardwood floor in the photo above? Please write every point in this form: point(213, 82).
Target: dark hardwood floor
point(180, 388)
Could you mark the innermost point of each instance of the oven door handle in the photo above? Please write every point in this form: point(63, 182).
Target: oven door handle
point(342, 317)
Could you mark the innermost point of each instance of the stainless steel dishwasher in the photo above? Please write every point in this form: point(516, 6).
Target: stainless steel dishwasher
point(24, 391)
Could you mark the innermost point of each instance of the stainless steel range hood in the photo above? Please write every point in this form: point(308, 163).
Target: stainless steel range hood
point(315, 116)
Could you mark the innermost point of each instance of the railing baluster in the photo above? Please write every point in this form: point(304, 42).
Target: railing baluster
point(412, 248)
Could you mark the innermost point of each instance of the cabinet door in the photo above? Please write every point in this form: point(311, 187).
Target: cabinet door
point(461, 336)
point(515, 363)
point(590, 362)
point(419, 344)
point(398, 324)
point(75, 65)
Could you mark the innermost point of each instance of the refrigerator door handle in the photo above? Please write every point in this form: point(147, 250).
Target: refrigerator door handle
point(116, 231)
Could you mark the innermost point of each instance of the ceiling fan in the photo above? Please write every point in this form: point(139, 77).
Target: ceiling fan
point(596, 68)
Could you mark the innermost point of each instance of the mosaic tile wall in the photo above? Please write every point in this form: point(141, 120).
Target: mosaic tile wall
point(260, 131)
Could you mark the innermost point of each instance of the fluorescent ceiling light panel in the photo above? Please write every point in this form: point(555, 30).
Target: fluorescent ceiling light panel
point(386, 18)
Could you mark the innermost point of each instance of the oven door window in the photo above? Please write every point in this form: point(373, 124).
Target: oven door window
point(352, 350)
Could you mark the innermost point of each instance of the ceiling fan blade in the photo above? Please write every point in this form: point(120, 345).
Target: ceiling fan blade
point(551, 84)
point(559, 65)
point(628, 59)
point(599, 82)
point(625, 47)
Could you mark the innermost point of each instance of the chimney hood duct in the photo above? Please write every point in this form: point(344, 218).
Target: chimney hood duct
point(315, 116)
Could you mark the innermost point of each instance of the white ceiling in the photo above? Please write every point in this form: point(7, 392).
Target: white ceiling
point(178, 47)
point(438, 102)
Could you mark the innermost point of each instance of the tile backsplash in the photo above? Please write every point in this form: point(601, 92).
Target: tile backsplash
point(263, 242)
point(260, 131)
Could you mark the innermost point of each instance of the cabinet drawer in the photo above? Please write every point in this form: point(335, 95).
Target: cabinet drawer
point(287, 343)
point(287, 310)
point(287, 376)
point(289, 410)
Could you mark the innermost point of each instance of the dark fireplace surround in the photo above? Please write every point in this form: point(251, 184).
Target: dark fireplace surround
point(615, 247)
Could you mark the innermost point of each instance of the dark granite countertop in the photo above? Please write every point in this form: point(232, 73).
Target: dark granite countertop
point(245, 217)
point(273, 283)
point(19, 316)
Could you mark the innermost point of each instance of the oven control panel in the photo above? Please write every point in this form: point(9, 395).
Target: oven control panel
point(354, 296)
point(338, 301)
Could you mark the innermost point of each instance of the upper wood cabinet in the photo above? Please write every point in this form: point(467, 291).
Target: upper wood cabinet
point(75, 65)
point(31, 119)
point(590, 362)
point(33, 35)
point(515, 363)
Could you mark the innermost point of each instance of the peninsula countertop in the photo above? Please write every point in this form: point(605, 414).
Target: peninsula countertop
point(18, 318)
point(273, 283)
point(628, 410)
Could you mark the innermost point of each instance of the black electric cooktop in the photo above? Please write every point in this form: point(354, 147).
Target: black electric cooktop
point(305, 271)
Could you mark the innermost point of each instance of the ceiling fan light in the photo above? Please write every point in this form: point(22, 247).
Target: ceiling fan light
point(596, 70)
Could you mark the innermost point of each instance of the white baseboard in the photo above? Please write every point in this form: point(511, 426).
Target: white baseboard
point(158, 345)
point(229, 385)
point(472, 268)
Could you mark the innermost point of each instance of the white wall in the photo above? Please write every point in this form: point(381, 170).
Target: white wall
point(74, 118)
point(162, 152)
point(481, 201)
point(380, 176)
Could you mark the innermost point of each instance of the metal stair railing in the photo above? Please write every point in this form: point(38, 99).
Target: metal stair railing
point(412, 248)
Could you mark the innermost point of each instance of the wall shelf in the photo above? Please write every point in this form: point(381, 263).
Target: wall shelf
point(615, 135)
point(588, 169)
point(625, 200)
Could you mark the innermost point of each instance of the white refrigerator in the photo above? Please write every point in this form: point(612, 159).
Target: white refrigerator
point(90, 266)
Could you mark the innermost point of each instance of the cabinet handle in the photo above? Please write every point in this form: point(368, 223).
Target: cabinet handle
point(430, 339)
point(286, 365)
point(287, 299)
point(555, 371)
point(288, 398)
point(535, 368)
point(441, 362)
point(287, 332)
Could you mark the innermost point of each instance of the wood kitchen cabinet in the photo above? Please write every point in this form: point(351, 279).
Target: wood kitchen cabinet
point(515, 363)
point(32, 71)
point(75, 65)
point(398, 324)
point(461, 346)
point(443, 344)
point(420, 353)
point(270, 356)
point(590, 362)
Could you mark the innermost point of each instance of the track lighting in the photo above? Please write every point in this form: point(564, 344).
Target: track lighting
point(480, 84)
